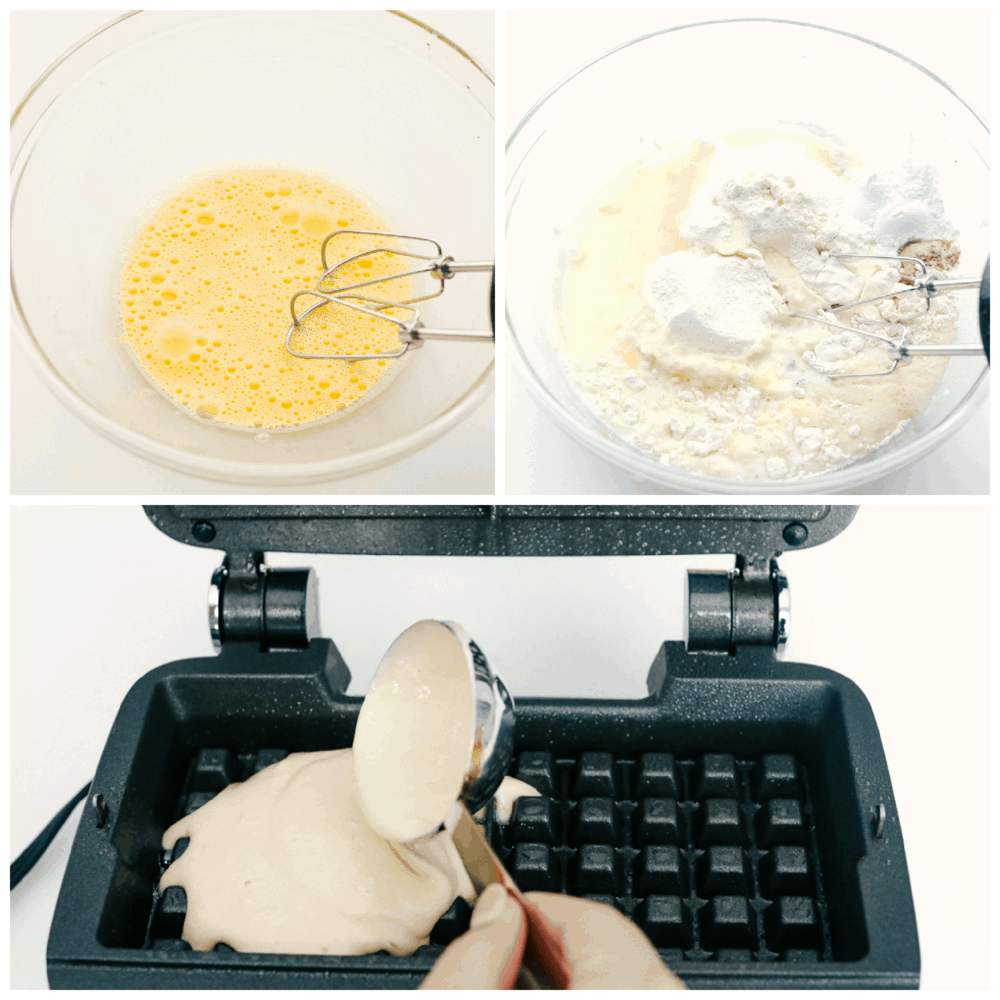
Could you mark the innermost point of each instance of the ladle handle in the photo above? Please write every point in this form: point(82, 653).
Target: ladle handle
point(544, 942)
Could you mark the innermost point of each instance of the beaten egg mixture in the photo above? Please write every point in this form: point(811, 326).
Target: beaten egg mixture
point(205, 284)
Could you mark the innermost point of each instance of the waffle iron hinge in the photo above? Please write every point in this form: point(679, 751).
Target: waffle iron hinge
point(277, 609)
point(745, 606)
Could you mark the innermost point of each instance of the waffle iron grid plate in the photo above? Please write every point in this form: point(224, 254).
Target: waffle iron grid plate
point(742, 814)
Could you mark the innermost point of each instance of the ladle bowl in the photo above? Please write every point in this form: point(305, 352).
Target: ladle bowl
point(394, 750)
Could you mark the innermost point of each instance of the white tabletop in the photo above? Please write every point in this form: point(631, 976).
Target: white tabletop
point(52, 452)
point(541, 48)
point(898, 603)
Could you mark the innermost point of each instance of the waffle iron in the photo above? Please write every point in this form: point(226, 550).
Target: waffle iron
point(741, 814)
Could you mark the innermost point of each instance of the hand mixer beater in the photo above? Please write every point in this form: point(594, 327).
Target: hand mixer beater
point(437, 267)
point(902, 350)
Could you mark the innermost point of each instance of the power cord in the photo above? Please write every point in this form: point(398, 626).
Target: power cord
point(29, 857)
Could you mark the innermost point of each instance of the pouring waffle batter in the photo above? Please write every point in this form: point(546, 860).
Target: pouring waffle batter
point(205, 281)
point(286, 862)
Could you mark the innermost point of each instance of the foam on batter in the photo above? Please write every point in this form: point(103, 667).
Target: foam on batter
point(205, 283)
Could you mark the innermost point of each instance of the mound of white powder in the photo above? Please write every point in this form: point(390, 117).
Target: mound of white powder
point(720, 304)
point(776, 198)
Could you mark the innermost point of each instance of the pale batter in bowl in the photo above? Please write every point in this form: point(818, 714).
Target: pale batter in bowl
point(640, 100)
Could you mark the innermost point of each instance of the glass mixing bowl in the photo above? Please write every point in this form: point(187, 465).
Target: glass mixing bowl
point(712, 78)
point(372, 97)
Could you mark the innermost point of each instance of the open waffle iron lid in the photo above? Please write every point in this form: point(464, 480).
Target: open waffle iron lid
point(746, 606)
point(504, 530)
point(742, 815)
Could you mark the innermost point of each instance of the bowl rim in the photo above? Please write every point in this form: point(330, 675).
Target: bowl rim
point(208, 467)
point(617, 451)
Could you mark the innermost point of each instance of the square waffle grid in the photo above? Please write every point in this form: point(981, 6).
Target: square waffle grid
point(715, 858)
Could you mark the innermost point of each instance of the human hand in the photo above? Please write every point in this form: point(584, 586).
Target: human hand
point(488, 955)
point(605, 949)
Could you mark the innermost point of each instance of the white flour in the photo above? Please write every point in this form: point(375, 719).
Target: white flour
point(720, 304)
point(706, 373)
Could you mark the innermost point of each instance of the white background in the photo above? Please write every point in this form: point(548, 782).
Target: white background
point(53, 452)
point(898, 603)
point(541, 48)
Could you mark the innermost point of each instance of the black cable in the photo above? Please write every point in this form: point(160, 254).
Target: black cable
point(29, 857)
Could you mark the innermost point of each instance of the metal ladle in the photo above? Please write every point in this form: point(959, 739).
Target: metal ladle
point(492, 732)
point(492, 727)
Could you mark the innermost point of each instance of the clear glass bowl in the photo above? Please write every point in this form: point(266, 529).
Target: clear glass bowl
point(372, 97)
point(706, 79)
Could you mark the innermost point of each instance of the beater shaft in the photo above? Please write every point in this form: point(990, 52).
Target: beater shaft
point(461, 336)
point(449, 266)
point(952, 350)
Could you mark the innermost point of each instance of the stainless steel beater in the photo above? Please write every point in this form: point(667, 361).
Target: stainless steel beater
point(930, 285)
point(412, 332)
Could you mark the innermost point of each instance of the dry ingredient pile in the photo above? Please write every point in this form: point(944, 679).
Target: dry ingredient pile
point(676, 284)
point(204, 290)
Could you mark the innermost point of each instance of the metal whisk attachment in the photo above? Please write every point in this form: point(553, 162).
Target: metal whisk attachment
point(902, 350)
point(403, 314)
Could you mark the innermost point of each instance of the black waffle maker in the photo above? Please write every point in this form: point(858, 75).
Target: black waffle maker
point(741, 814)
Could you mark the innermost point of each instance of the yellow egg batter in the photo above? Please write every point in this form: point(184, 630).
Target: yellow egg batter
point(205, 283)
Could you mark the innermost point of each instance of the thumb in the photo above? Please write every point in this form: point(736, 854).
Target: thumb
point(488, 956)
point(606, 951)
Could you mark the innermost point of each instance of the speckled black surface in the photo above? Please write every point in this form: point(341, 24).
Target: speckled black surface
point(728, 908)
point(754, 531)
